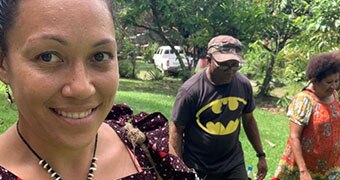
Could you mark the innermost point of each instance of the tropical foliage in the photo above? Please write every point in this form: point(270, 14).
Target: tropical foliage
point(279, 35)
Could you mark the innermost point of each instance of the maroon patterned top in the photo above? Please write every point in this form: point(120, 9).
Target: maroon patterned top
point(155, 128)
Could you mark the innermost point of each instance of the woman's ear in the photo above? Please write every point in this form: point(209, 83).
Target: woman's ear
point(314, 82)
point(3, 68)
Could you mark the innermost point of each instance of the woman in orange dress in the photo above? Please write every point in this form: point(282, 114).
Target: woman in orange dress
point(313, 147)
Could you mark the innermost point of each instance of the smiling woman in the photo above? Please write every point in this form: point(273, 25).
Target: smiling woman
point(59, 58)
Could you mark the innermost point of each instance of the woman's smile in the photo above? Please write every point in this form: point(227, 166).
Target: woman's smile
point(74, 115)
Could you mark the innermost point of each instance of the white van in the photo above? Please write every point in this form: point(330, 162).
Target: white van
point(166, 61)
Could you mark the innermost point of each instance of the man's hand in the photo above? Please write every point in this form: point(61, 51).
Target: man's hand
point(261, 168)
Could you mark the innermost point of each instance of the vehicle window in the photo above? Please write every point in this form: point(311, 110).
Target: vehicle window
point(167, 52)
point(179, 51)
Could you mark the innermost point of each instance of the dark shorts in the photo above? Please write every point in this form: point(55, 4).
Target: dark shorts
point(237, 173)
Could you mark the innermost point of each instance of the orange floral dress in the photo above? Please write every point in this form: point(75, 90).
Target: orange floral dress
point(320, 138)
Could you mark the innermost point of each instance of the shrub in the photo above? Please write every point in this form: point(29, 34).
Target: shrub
point(155, 74)
point(184, 75)
point(149, 51)
point(125, 69)
point(284, 100)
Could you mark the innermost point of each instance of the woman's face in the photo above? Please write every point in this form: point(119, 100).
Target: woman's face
point(327, 85)
point(62, 66)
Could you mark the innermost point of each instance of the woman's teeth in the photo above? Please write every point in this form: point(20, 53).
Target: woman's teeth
point(74, 115)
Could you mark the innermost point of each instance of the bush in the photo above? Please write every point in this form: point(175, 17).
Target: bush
point(284, 100)
point(125, 69)
point(184, 75)
point(155, 74)
point(148, 52)
point(257, 60)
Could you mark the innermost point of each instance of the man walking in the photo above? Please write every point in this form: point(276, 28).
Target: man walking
point(207, 113)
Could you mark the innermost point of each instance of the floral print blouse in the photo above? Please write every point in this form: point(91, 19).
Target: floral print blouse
point(320, 138)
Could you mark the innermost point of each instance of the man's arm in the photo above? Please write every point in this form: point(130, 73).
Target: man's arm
point(253, 135)
point(176, 139)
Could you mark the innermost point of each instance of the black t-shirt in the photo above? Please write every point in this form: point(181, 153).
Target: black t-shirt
point(211, 115)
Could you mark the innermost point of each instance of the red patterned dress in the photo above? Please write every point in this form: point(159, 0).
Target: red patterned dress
point(155, 127)
point(320, 138)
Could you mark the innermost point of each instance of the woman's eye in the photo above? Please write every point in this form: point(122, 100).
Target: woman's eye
point(48, 57)
point(101, 56)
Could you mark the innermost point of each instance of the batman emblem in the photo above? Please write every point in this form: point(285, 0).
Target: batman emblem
point(217, 128)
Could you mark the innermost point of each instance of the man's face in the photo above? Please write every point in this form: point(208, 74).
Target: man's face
point(223, 72)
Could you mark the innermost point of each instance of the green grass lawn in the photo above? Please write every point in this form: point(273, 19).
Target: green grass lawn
point(151, 96)
point(274, 130)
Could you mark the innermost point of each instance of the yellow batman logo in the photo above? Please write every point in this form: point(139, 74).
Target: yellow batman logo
point(216, 107)
point(218, 128)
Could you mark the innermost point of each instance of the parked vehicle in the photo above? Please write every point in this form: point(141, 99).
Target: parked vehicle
point(166, 61)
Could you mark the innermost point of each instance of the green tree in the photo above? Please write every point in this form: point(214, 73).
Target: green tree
point(276, 33)
point(127, 52)
point(321, 30)
point(292, 31)
point(155, 16)
point(189, 23)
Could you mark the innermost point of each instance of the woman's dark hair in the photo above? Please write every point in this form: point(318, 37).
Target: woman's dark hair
point(323, 65)
point(8, 12)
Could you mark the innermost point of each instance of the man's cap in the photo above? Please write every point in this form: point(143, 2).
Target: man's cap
point(224, 47)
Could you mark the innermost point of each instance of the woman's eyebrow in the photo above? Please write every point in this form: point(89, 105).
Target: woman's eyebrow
point(61, 40)
point(49, 37)
point(105, 41)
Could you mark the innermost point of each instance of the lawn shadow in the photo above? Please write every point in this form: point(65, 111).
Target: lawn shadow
point(167, 86)
point(269, 103)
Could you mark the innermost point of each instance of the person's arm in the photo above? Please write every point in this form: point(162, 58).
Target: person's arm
point(294, 137)
point(299, 112)
point(176, 139)
point(253, 135)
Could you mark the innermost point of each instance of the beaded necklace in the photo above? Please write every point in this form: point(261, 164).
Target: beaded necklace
point(50, 170)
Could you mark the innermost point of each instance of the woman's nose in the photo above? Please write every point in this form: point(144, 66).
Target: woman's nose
point(78, 84)
point(335, 85)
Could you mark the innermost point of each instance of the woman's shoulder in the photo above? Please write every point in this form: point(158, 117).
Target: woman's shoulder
point(146, 135)
point(303, 97)
point(300, 108)
point(7, 154)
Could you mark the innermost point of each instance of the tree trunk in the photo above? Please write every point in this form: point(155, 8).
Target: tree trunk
point(179, 57)
point(133, 62)
point(264, 89)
